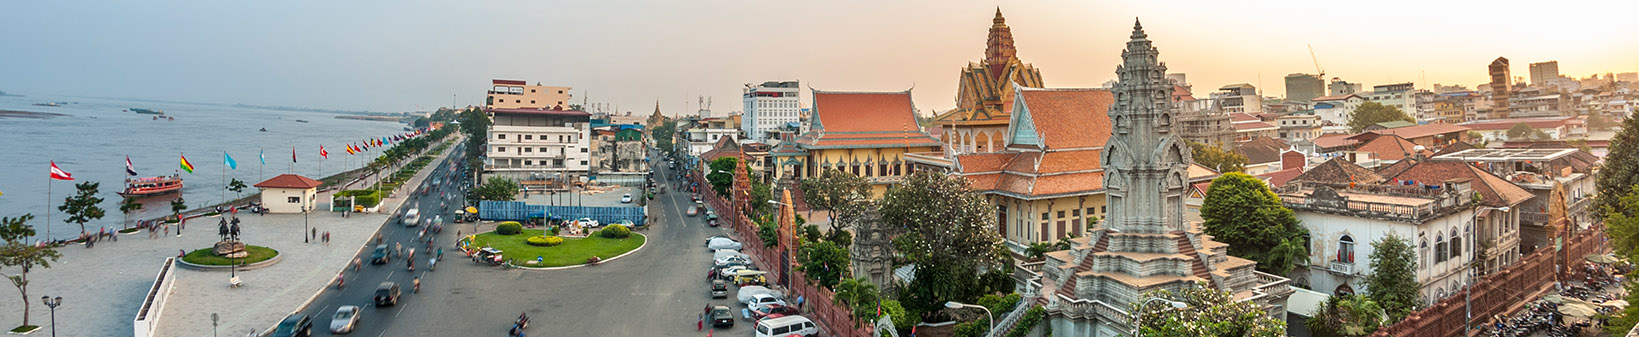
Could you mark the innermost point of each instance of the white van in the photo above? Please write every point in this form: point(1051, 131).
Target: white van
point(787, 326)
point(411, 217)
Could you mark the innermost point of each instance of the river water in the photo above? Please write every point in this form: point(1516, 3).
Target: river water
point(94, 135)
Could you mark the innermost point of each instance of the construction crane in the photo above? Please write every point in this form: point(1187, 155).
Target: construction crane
point(1312, 57)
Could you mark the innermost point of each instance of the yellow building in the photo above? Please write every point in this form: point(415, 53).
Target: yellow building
point(984, 97)
point(863, 133)
point(512, 94)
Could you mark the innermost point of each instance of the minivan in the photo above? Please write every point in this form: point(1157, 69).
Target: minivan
point(411, 217)
point(787, 326)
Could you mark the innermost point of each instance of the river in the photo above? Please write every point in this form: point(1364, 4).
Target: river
point(92, 137)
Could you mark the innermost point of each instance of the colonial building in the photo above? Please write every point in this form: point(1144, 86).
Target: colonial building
point(1145, 243)
point(863, 133)
point(1540, 171)
point(1495, 234)
point(984, 95)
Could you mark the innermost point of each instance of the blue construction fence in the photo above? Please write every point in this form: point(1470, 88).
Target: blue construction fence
point(519, 211)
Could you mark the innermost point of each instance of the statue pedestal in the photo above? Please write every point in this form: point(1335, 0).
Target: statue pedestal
point(230, 249)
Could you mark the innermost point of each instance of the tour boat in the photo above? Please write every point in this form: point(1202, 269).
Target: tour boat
point(152, 185)
point(264, 129)
point(147, 112)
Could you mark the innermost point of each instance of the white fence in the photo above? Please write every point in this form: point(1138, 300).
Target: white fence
point(148, 315)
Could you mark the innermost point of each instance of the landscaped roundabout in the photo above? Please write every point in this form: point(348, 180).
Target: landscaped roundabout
point(526, 245)
point(207, 256)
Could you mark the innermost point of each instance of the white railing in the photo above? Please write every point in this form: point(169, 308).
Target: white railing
point(147, 318)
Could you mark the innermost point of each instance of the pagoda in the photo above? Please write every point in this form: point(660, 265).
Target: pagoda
point(984, 96)
point(1145, 242)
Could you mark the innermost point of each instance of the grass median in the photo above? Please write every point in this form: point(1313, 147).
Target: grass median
point(573, 251)
point(208, 257)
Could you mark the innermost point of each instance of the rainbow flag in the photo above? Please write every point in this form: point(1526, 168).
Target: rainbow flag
point(186, 166)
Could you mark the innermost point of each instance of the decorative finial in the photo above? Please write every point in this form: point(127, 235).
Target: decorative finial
point(998, 19)
point(1138, 29)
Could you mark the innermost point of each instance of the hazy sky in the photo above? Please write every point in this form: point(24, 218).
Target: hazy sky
point(408, 55)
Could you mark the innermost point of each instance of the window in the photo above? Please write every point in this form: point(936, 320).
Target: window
point(561, 91)
point(529, 137)
point(1090, 211)
point(294, 200)
point(543, 150)
point(500, 136)
point(583, 150)
point(557, 162)
point(1061, 214)
point(1075, 212)
point(1439, 247)
point(529, 162)
point(500, 149)
point(583, 162)
point(1044, 216)
point(1345, 249)
point(1456, 244)
point(517, 101)
point(1102, 210)
point(531, 101)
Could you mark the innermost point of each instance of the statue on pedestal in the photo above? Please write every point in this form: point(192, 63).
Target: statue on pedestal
point(230, 245)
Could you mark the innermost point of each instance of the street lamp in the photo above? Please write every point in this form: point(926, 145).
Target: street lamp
point(305, 238)
point(1468, 288)
point(959, 305)
point(53, 303)
point(1138, 318)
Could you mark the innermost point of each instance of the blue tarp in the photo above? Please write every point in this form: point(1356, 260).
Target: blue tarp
point(519, 211)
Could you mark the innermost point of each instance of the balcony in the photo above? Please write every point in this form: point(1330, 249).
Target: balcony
point(1533, 218)
point(1341, 268)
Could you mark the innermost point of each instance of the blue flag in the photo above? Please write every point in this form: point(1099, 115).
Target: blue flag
point(262, 154)
point(228, 160)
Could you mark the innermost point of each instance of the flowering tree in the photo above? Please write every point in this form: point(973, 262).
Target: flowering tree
point(948, 231)
point(1207, 312)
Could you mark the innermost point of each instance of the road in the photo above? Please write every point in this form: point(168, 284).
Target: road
point(656, 291)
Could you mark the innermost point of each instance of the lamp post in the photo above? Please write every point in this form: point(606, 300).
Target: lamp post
point(959, 305)
point(1138, 317)
point(1468, 287)
point(52, 303)
point(305, 238)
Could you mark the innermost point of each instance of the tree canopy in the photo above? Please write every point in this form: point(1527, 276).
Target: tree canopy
point(838, 192)
point(825, 263)
point(1241, 211)
point(663, 134)
point(1346, 316)
point(1370, 113)
point(1620, 172)
point(82, 206)
point(1217, 158)
point(948, 231)
point(496, 188)
point(1207, 312)
point(1392, 283)
point(721, 175)
point(21, 256)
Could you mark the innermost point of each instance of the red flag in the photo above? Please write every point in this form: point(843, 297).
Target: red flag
point(59, 174)
point(323, 153)
point(292, 154)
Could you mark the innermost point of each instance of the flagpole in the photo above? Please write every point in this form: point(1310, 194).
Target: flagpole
point(48, 207)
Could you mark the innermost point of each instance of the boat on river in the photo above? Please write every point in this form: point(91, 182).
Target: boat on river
point(145, 186)
point(147, 112)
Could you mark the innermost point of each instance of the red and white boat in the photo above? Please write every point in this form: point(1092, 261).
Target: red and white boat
point(136, 187)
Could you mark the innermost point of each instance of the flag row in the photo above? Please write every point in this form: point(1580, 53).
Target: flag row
point(352, 148)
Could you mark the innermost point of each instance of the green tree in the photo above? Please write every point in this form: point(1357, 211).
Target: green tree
point(177, 206)
point(1346, 316)
point(82, 206)
point(1620, 172)
point(128, 206)
point(663, 135)
point(836, 192)
point(1241, 211)
point(1599, 122)
point(948, 231)
point(1370, 113)
point(237, 187)
point(1207, 312)
point(497, 189)
point(22, 256)
point(760, 196)
point(1217, 158)
point(1519, 131)
point(475, 124)
point(721, 176)
point(827, 263)
point(1392, 283)
point(858, 294)
point(1580, 144)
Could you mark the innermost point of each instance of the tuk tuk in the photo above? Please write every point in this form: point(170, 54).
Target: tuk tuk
point(752, 277)
point(488, 255)
point(460, 216)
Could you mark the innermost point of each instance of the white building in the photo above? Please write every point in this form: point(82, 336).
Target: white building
point(769, 106)
point(1343, 222)
point(1398, 95)
point(288, 193)
point(1335, 110)
point(535, 144)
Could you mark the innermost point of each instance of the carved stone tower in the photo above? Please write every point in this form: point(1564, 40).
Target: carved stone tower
point(1145, 161)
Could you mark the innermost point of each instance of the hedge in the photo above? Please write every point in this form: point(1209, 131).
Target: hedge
point(615, 232)
point(366, 198)
point(544, 241)
point(1029, 321)
point(509, 228)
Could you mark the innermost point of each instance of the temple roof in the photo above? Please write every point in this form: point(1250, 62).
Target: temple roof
point(864, 120)
point(1069, 127)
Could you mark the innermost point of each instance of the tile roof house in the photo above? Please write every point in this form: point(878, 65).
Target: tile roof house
point(1386, 150)
point(1494, 191)
point(289, 193)
point(1433, 136)
point(862, 133)
point(1262, 154)
point(1339, 171)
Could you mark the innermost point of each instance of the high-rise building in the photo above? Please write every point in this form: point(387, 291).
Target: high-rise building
point(1627, 77)
point(1541, 72)
point(1304, 87)
point(1502, 86)
point(984, 94)
point(769, 106)
point(513, 94)
point(1145, 242)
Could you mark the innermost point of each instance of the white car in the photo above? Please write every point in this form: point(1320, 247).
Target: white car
point(724, 243)
point(345, 319)
point(626, 199)
point(760, 300)
point(587, 222)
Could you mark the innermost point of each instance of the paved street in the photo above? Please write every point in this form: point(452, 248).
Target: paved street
point(656, 291)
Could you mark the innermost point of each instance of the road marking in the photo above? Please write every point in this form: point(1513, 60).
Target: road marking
point(400, 310)
point(390, 274)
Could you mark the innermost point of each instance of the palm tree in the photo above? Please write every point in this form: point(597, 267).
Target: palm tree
point(857, 294)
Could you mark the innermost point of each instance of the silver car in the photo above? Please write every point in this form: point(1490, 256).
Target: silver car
point(345, 319)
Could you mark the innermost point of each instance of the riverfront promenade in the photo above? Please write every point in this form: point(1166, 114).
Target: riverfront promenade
point(103, 287)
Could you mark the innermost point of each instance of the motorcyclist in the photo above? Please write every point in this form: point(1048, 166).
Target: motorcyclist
point(339, 281)
point(417, 284)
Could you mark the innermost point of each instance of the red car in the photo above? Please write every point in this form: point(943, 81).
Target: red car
point(772, 311)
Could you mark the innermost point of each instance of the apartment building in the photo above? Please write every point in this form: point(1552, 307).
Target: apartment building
point(537, 144)
point(768, 107)
point(514, 94)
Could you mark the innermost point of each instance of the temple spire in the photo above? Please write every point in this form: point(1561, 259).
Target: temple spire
point(999, 45)
point(1138, 30)
point(998, 20)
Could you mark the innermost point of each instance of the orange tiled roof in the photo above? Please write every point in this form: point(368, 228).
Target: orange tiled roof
point(864, 120)
point(1279, 178)
point(1494, 190)
point(1391, 147)
point(289, 181)
point(1070, 118)
point(1072, 123)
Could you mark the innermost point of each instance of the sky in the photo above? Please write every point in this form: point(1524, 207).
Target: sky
point(416, 55)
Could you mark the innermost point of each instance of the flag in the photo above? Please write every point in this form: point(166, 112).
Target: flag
point(59, 174)
point(226, 159)
point(878, 307)
point(129, 170)
point(349, 148)
point(292, 154)
point(263, 155)
point(186, 166)
point(323, 153)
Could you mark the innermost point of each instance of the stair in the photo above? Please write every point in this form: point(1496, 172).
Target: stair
point(1197, 267)
point(1068, 288)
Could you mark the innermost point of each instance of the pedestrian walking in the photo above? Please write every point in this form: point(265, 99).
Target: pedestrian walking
point(700, 322)
point(327, 238)
point(315, 232)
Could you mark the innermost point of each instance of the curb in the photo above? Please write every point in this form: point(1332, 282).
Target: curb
point(634, 250)
point(248, 266)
